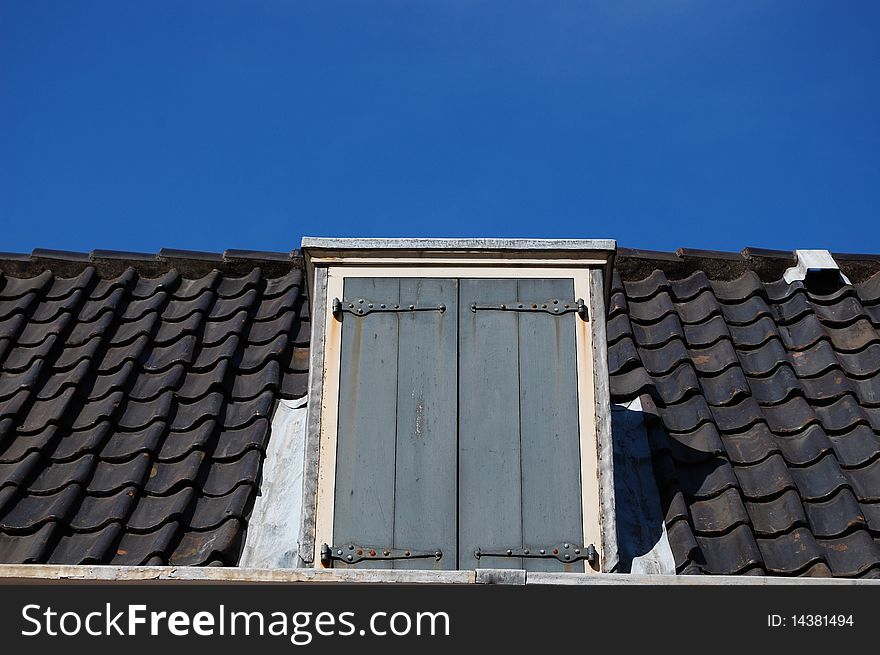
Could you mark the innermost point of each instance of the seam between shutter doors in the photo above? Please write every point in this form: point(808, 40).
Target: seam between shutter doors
point(396, 432)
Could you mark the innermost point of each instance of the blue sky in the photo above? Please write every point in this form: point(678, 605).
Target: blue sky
point(214, 125)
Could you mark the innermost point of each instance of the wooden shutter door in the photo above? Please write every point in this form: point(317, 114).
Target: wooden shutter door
point(519, 446)
point(396, 438)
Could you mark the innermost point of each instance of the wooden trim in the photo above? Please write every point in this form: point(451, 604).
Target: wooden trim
point(586, 422)
point(313, 420)
point(522, 269)
point(329, 418)
point(602, 415)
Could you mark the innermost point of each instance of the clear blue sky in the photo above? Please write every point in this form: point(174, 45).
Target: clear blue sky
point(213, 125)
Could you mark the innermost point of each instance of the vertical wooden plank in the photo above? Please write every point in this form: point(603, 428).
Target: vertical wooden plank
point(366, 432)
point(490, 501)
point(425, 513)
point(551, 492)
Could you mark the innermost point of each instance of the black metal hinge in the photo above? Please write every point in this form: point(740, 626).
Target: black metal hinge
point(565, 553)
point(362, 307)
point(552, 306)
point(352, 553)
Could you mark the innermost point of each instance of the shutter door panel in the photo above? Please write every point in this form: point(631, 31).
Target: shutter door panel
point(364, 512)
point(489, 452)
point(549, 432)
point(425, 514)
point(396, 438)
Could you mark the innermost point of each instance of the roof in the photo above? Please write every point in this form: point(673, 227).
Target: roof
point(762, 403)
point(135, 396)
point(136, 390)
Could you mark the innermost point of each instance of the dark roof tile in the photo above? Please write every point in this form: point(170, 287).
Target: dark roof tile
point(32, 511)
point(97, 512)
point(110, 477)
point(831, 518)
point(766, 479)
point(168, 477)
point(233, 443)
point(790, 553)
point(180, 444)
point(197, 548)
point(153, 511)
point(777, 515)
point(225, 476)
point(26, 548)
point(851, 555)
point(135, 549)
point(56, 475)
point(730, 553)
point(76, 443)
point(86, 548)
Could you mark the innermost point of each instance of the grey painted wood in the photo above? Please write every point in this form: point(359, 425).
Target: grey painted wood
point(425, 513)
point(549, 425)
point(607, 502)
point(366, 433)
point(489, 451)
point(313, 423)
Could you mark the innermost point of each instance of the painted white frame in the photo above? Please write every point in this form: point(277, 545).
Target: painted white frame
point(342, 267)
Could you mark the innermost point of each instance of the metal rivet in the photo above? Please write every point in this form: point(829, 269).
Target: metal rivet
point(543, 306)
point(349, 558)
point(386, 553)
point(568, 556)
point(526, 551)
point(361, 300)
point(534, 307)
point(360, 552)
point(543, 552)
point(556, 309)
point(382, 306)
point(509, 552)
point(565, 545)
point(370, 305)
point(372, 553)
point(339, 552)
point(412, 306)
point(577, 551)
point(406, 552)
point(351, 546)
point(555, 302)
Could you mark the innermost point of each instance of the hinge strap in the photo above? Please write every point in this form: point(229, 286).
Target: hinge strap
point(553, 306)
point(362, 307)
point(352, 553)
point(565, 553)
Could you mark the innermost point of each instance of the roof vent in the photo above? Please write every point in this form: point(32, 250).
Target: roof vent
point(818, 270)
